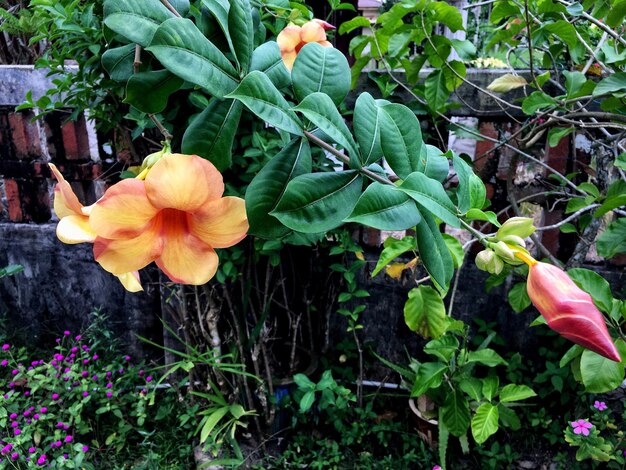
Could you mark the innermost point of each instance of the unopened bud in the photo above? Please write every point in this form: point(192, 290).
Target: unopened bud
point(504, 251)
point(483, 259)
point(519, 226)
point(513, 240)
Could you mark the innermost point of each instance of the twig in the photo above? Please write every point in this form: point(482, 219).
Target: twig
point(570, 218)
point(169, 6)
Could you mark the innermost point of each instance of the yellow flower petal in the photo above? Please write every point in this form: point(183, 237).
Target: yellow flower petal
point(123, 212)
point(185, 258)
point(221, 223)
point(312, 32)
point(289, 38)
point(65, 201)
point(184, 182)
point(74, 229)
point(125, 255)
point(289, 58)
point(130, 281)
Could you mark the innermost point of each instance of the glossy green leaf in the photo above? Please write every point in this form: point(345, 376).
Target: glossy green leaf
point(429, 375)
point(473, 387)
point(241, 32)
point(184, 51)
point(211, 133)
point(434, 252)
point(456, 413)
point(435, 90)
point(430, 194)
point(471, 193)
point(149, 91)
point(181, 6)
point(518, 297)
point(484, 422)
point(366, 124)
point(449, 16)
point(512, 392)
point(384, 208)
point(137, 21)
point(612, 84)
point(564, 30)
point(615, 197)
point(487, 357)
point(490, 386)
point(425, 313)
point(322, 112)
point(434, 164)
point(401, 139)
point(268, 186)
point(321, 69)
point(599, 374)
point(487, 216)
point(509, 418)
point(455, 248)
point(535, 101)
point(267, 59)
point(118, 62)
point(211, 421)
point(319, 202)
point(260, 96)
point(444, 347)
point(556, 134)
point(392, 248)
point(355, 23)
point(613, 240)
point(307, 401)
point(616, 14)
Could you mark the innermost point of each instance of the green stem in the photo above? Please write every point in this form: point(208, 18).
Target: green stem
point(479, 235)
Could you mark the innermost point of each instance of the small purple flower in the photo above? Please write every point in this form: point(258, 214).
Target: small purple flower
point(95, 357)
point(26, 413)
point(581, 426)
point(58, 444)
point(66, 427)
point(95, 377)
point(149, 378)
point(68, 438)
point(55, 396)
point(141, 372)
point(36, 416)
point(15, 424)
point(15, 372)
point(85, 394)
point(43, 410)
point(109, 385)
point(78, 337)
point(66, 333)
point(109, 394)
point(127, 358)
point(4, 363)
point(85, 448)
point(42, 459)
point(17, 431)
point(32, 450)
point(15, 455)
point(6, 347)
point(60, 424)
point(437, 467)
point(13, 415)
point(599, 405)
point(108, 374)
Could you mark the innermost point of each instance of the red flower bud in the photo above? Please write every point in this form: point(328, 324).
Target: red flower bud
point(569, 310)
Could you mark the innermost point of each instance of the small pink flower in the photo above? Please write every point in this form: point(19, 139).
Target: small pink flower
point(582, 426)
point(6, 347)
point(599, 405)
point(437, 467)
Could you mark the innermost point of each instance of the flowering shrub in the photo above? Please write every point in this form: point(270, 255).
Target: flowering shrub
point(60, 409)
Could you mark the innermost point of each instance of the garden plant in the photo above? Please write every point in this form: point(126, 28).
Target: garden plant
point(264, 149)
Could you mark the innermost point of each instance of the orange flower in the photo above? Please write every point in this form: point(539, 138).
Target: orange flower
point(568, 309)
point(176, 217)
point(293, 38)
point(73, 226)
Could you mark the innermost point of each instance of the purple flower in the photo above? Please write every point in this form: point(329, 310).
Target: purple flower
point(68, 438)
point(60, 424)
point(4, 363)
point(95, 377)
point(149, 378)
point(13, 415)
point(36, 416)
point(15, 371)
point(437, 467)
point(109, 394)
point(43, 410)
point(66, 333)
point(85, 394)
point(58, 444)
point(6, 347)
point(55, 396)
point(95, 357)
point(41, 460)
point(582, 426)
point(15, 455)
point(85, 448)
point(15, 424)
point(32, 450)
point(78, 337)
point(127, 358)
point(109, 385)
point(17, 431)
point(599, 405)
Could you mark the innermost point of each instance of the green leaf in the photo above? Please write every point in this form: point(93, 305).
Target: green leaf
point(430, 194)
point(366, 123)
point(444, 347)
point(435, 90)
point(322, 112)
point(599, 374)
point(184, 51)
point(212, 132)
point(307, 401)
point(149, 91)
point(509, 418)
point(456, 413)
point(518, 297)
point(471, 193)
point(384, 208)
point(434, 164)
point(268, 187)
point(464, 48)
point(613, 240)
point(319, 202)
point(212, 420)
point(425, 313)
point(574, 81)
point(434, 252)
point(502, 10)
point(487, 216)
point(490, 386)
point(612, 84)
point(118, 62)
point(241, 31)
point(557, 133)
point(451, 17)
point(487, 357)
point(564, 30)
point(392, 248)
point(137, 21)
point(571, 354)
point(355, 23)
point(512, 392)
point(428, 376)
point(267, 59)
point(615, 197)
point(321, 69)
point(484, 422)
point(595, 285)
point(303, 382)
point(455, 248)
point(401, 139)
point(616, 14)
point(472, 387)
point(260, 96)
point(535, 101)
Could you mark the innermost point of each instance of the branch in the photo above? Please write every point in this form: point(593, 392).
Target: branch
point(169, 6)
point(571, 217)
